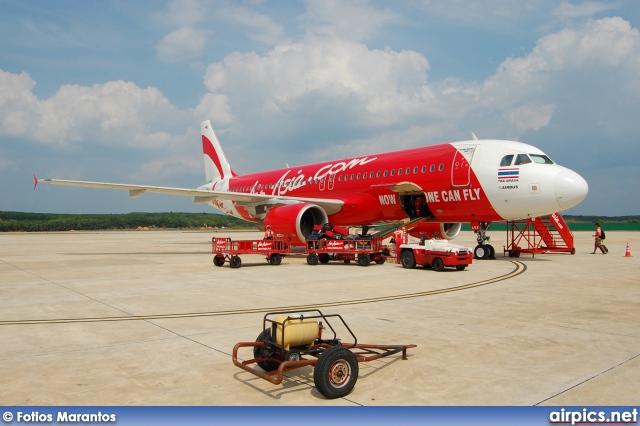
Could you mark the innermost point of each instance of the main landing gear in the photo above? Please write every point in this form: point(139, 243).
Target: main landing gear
point(483, 250)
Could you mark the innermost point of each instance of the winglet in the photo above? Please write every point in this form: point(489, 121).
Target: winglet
point(475, 138)
point(35, 181)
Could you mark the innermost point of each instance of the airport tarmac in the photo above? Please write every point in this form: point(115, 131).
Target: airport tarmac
point(557, 329)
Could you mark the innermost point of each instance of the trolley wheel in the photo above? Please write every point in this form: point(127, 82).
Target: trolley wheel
point(438, 265)
point(512, 253)
point(235, 262)
point(364, 259)
point(263, 352)
point(218, 261)
point(312, 259)
point(516, 253)
point(324, 258)
point(573, 250)
point(336, 372)
point(480, 252)
point(408, 260)
point(461, 267)
point(381, 260)
point(292, 355)
point(275, 259)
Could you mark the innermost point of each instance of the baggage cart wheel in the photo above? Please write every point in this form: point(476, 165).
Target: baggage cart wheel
point(275, 259)
point(336, 372)
point(408, 260)
point(438, 265)
point(235, 262)
point(324, 258)
point(218, 261)
point(381, 260)
point(364, 259)
point(461, 267)
point(312, 259)
point(265, 350)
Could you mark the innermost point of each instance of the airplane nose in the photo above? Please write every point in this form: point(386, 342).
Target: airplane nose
point(571, 189)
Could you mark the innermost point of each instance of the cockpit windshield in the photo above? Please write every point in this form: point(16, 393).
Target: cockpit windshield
point(541, 159)
point(520, 159)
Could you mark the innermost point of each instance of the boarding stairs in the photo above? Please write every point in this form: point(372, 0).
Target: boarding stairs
point(545, 234)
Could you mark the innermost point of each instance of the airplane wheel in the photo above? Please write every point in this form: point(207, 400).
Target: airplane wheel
point(235, 262)
point(324, 258)
point(408, 260)
point(265, 351)
point(438, 265)
point(480, 252)
point(491, 252)
point(312, 259)
point(218, 261)
point(336, 372)
point(275, 259)
point(364, 259)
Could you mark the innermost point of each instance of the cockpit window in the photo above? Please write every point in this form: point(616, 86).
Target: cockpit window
point(522, 159)
point(540, 159)
point(506, 161)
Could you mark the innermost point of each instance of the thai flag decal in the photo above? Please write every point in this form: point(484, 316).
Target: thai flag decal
point(508, 173)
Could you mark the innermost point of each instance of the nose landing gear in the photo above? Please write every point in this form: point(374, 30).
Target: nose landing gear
point(483, 250)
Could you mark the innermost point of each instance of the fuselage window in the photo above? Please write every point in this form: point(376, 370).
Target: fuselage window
point(441, 167)
point(506, 160)
point(340, 178)
point(541, 159)
point(424, 169)
point(408, 171)
point(385, 173)
point(432, 168)
point(358, 176)
point(371, 175)
point(352, 177)
point(378, 173)
point(415, 170)
point(399, 172)
point(522, 159)
point(393, 172)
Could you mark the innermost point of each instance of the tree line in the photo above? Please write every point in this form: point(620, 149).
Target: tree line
point(46, 222)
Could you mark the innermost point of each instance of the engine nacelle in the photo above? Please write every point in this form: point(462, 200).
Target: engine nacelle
point(295, 221)
point(447, 231)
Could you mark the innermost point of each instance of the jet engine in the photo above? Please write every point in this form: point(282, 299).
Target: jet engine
point(447, 231)
point(295, 221)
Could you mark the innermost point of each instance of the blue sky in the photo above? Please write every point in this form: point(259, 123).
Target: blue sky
point(114, 91)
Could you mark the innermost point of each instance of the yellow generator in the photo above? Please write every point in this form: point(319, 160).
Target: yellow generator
point(294, 339)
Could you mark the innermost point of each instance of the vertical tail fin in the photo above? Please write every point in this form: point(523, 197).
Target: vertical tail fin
point(216, 165)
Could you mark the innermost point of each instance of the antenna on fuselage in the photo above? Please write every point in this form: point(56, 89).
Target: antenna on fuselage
point(475, 138)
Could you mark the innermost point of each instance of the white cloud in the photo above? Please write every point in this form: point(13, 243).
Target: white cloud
point(184, 43)
point(583, 9)
point(116, 113)
point(353, 20)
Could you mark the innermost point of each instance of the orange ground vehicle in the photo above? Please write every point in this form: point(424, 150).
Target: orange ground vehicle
point(226, 249)
point(436, 254)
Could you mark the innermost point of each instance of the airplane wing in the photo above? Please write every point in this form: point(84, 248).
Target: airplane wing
point(330, 205)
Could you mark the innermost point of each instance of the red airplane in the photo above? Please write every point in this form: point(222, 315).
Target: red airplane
point(476, 181)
